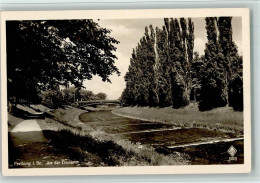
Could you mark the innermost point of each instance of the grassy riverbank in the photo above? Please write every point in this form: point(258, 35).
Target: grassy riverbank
point(96, 148)
point(224, 118)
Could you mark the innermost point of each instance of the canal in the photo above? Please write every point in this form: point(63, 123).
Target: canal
point(201, 146)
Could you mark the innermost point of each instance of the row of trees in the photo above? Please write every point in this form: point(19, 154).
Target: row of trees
point(42, 55)
point(222, 72)
point(159, 71)
point(165, 71)
point(68, 96)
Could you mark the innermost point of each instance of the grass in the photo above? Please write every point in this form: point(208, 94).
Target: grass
point(97, 148)
point(224, 118)
point(68, 117)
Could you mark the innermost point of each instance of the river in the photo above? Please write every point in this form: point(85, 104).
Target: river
point(202, 146)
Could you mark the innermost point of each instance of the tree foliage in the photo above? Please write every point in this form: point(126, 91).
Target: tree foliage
point(57, 98)
point(196, 75)
point(212, 82)
point(42, 54)
point(101, 96)
point(140, 86)
point(222, 67)
point(165, 71)
point(160, 68)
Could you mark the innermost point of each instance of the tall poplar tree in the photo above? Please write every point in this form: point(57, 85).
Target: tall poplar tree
point(232, 65)
point(162, 69)
point(212, 83)
point(224, 43)
point(178, 57)
point(140, 87)
point(181, 54)
point(150, 61)
point(128, 97)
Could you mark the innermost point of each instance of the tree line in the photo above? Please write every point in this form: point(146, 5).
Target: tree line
point(68, 96)
point(166, 71)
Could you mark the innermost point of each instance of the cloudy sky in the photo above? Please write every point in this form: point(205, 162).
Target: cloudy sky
point(129, 32)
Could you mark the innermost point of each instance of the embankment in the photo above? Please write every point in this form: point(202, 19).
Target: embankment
point(223, 119)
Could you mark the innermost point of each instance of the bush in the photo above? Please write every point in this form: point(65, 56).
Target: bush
point(52, 98)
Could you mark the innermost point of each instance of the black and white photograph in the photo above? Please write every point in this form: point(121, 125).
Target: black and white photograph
point(132, 91)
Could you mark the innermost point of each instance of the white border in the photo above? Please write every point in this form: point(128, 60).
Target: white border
point(130, 14)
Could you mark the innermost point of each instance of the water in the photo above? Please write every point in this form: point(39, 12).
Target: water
point(201, 146)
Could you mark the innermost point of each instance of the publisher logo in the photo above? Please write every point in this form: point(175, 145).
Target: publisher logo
point(232, 152)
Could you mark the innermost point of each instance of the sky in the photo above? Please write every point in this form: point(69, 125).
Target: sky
point(129, 32)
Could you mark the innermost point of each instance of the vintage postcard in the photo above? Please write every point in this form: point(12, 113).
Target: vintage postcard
point(103, 92)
